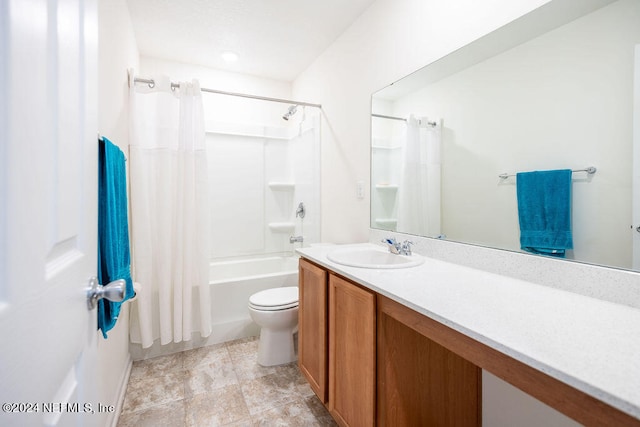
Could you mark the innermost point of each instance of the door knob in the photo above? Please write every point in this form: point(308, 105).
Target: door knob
point(114, 291)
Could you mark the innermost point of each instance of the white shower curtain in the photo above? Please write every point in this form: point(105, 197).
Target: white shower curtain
point(419, 190)
point(169, 213)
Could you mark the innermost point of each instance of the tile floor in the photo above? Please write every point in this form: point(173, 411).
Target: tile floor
point(220, 385)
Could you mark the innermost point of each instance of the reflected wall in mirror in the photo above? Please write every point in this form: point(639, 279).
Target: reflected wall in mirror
point(552, 90)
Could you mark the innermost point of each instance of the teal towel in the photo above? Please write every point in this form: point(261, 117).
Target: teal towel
point(544, 211)
point(113, 230)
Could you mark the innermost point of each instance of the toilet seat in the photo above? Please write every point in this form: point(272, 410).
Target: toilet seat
point(275, 299)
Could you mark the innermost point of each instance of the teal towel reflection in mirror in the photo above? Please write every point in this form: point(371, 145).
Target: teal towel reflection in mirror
point(544, 211)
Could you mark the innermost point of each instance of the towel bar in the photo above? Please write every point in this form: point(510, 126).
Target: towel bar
point(590, 170)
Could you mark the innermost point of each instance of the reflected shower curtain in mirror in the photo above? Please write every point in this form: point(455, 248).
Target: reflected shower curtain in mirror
point(169, 213)
point(419, 189)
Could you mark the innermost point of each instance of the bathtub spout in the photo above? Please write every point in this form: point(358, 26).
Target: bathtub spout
point(294, 239)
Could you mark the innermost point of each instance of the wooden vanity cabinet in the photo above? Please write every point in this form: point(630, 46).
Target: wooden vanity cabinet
point(312, 326)
point(352, 353)
point(421, 383)
point(369, 366)
point(374, 361)
point(336, 343)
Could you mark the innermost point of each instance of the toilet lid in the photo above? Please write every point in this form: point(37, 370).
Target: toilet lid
point(280, 298)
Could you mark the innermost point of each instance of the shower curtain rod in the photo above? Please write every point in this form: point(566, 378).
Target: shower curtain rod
point(152, 83)
point(382, 116)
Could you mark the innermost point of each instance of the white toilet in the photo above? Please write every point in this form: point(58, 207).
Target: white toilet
point(276, 312)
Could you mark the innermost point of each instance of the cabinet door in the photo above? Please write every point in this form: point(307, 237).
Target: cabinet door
point(421, 383)
point(352, 359)
point(312, 327)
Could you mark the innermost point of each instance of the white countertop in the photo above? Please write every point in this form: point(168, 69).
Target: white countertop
point(590, 344)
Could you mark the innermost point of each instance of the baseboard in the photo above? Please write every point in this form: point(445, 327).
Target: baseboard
point(122, 390)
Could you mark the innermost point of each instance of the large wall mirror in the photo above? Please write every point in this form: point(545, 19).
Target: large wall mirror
point(551, 90)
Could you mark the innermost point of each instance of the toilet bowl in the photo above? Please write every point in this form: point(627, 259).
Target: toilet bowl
point(276, 312)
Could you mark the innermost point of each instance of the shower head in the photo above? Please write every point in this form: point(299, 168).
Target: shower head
point(292, 110)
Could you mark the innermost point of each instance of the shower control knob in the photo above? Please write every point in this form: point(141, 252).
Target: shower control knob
point(300, 212)
point(114, 291)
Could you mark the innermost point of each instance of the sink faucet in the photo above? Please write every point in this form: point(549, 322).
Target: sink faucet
point(403, 248)
point(394, 247)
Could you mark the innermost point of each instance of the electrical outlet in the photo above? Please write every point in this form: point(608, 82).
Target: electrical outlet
point(360, 189)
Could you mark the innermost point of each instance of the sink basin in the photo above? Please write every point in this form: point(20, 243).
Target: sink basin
point(370, 257)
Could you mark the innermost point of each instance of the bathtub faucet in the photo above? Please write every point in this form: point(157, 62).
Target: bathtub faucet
point(294, 239)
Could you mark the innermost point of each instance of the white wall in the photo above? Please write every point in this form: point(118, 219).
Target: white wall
point(215, 79)
point(390, 40)
point(117, 52)
point(503, 405)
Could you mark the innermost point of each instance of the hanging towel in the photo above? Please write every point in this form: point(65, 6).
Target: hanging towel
point(113, 230)
point(544, 211)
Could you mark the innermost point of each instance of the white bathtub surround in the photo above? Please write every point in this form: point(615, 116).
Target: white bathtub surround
point(258, 175)
point(169, 213)
point(590, 344)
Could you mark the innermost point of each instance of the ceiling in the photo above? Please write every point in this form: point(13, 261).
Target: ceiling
point(273, 38)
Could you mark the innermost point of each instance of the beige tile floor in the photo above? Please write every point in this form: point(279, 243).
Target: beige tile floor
point(220, 385)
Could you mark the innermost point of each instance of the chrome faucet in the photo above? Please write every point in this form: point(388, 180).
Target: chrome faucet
point(403, 248)
point(393, 246)
point(294, 239)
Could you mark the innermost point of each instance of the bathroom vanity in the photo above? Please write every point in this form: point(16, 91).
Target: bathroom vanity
point(407, 346)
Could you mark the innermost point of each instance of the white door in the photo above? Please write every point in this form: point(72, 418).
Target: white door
point(48, 211)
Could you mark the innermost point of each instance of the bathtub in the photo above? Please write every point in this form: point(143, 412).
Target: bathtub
point(234, 281)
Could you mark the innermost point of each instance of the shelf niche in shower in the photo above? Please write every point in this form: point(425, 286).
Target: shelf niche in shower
point(387, 223)
point(281, 186)
point(387, 187)
point(282, 227)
